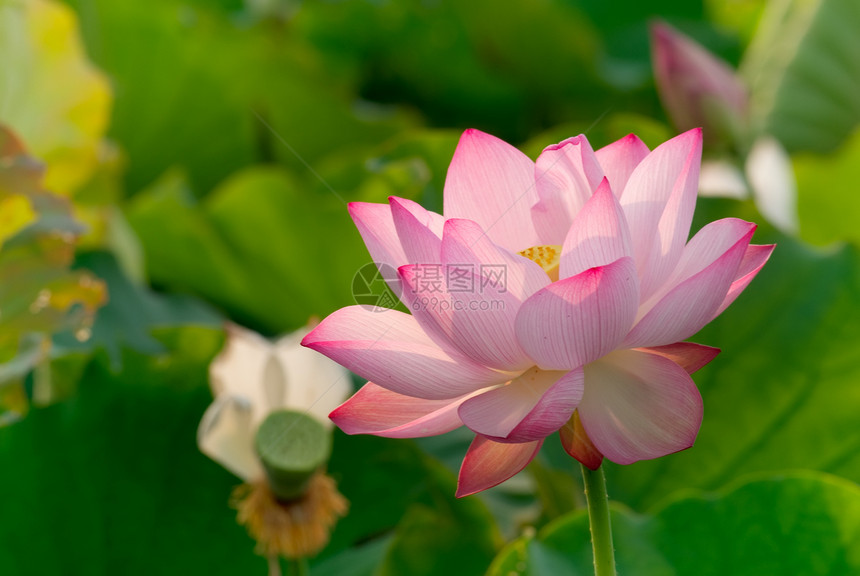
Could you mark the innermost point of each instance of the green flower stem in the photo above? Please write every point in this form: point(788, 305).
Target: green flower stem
point(299, 567)
point(295, 566)
point(598, 518)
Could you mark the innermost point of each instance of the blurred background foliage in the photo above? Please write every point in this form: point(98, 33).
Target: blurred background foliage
point(174, 164)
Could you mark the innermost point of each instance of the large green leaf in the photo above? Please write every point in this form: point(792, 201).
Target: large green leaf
point(828, 201)
point(783, 394)
point(430, 152)
point(111, 481)
point(529, 66)
point(272, 248)
point(803, 524)
point(199, 87)
point(261, 246)
point(804, 71)
point(133, 312)
point(393, 485)
point(740, 16)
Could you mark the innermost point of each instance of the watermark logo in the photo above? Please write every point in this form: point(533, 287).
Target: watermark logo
point(372, 286)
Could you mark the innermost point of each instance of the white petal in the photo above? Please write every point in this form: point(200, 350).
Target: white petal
point(239, 369)
point(772, 179)
point(226, 434)
point(719, 178)
point(314, 384)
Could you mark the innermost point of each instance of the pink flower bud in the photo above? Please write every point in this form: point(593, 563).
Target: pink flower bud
point(696, 88)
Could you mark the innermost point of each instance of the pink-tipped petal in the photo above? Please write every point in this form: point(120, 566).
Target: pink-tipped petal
point(489, 463)
point(470, 301)
point(639, 406)
point(420, 244)
point(390, 348)
point(687, 355)
point(435, 222)
point(375, 410)
point(566, 174)
point(754, 259)
point(706, 273)
point(482, 324)
point(376, 226)
point(619, 159)
point(579, 319)
point(426, 297)
point(659, 200)
point(465, 243)
point(485, 287)
point(576, 442)
point(492, 183)
point(313, 383)
point(530, 407)
point(477, 322)
point(599, 234)
point(709, 244)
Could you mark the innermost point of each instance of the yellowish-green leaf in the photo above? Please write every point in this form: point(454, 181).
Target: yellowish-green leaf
point(803, 68)
point(13, 402)
point(740, 16)
point(16, 213)
point(50, 94)
point(39, 295)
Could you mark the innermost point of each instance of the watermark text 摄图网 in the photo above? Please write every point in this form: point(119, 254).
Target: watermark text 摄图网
point(441, 287)
point(459, 279)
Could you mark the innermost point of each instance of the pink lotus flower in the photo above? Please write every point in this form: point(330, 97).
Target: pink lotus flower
point(552, 296)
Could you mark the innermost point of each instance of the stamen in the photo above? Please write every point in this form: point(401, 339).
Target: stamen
point(296, 529)
point(547, 257)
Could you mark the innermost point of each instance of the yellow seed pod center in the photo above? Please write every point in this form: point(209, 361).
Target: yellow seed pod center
point(547, 257)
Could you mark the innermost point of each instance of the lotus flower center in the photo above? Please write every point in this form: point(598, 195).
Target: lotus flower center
point(547, 257)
